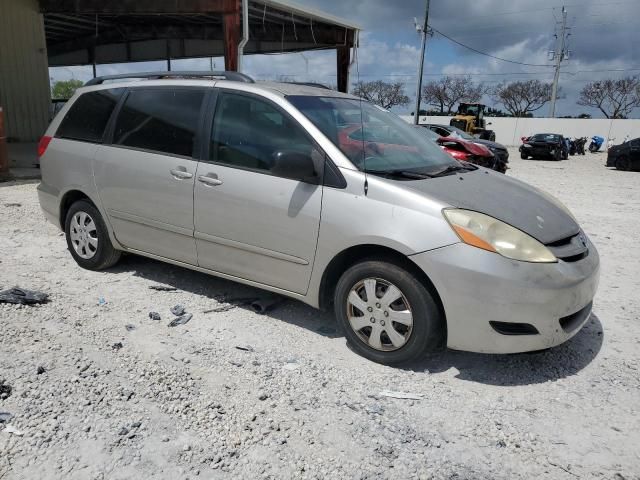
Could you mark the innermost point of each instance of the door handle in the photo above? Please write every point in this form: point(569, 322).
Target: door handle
point(210, 180)
point(181, 173)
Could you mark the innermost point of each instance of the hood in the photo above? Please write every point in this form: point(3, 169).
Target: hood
point(505, 198)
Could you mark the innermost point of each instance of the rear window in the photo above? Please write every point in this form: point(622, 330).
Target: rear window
point(88, 116)
point(160, 120)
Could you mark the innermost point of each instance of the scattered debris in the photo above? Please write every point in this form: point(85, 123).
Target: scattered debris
point(181, 320)
point(401, 395)
point(136, 424)
point(40, 370)
point(262, 396)
point(13, 204)
point(231, 303)
point(162, 288)
point(14, 430)
point(562, 468)
point(178, 310)
point(290, 366)
point(22, 296)
point(117, 346)
point(5, 389)
point(123, 431)
point(154, 316)
point(130, 327)
point(101, 301)
point(5, 417)
point(248, 348)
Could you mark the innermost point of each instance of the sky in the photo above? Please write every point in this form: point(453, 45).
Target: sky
point(603, 43)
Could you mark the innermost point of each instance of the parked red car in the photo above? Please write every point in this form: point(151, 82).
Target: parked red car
point(461, 149)
point(378, 143)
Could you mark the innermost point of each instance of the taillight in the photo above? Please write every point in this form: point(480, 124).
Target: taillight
point(42, 145)
point(458, 155)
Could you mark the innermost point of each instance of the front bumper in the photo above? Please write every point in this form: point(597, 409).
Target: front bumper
point(477, 287)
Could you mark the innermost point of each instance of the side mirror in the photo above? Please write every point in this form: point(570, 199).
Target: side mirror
point(295, 165)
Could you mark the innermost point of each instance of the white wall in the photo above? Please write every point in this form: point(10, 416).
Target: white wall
point(509, 130)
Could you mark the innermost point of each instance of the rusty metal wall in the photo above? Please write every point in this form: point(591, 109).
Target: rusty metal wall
point(24, 75)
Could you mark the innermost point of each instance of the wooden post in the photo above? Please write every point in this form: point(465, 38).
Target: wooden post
point(4, 154)
point(342, 67)
point(231, 25)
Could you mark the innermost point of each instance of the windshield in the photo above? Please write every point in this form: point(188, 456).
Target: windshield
point(373, 138)
point(460, 133)
point(545, 137)
point(430, 134)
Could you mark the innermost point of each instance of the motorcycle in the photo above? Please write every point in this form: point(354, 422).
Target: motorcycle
point(573, 149)
point(596, 143)
point(580, 143)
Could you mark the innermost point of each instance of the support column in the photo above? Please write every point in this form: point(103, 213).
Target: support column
point(231, 20)
point(4, 154)
point(24, 79)
point(343, 57)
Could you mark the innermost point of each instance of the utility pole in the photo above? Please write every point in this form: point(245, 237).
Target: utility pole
point(558, 56)
point(423, 29)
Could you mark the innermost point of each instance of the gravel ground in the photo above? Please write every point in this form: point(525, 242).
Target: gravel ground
point(99, 390)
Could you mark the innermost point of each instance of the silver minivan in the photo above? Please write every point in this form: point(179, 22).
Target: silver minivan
point(322, 197)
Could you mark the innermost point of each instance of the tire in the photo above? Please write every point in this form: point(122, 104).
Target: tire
point(623, 164)
point(425, 333)
point(524, 156)
point(88, 238)
point(557, 156)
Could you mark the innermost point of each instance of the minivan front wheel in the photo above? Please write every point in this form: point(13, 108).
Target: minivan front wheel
point(386, 313)
point(88, 238)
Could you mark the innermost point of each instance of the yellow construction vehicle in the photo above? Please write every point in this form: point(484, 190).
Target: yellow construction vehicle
point(470, 118)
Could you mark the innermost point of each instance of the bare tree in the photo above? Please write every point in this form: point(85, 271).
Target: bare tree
point(614, 98)
point(522, 98)
point(381, 93)
point(446, 92)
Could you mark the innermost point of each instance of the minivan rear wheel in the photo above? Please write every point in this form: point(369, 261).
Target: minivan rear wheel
point(87, 237)
point(386, 313)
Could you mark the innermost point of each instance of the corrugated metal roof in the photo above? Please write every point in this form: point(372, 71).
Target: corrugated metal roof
point(310, 12)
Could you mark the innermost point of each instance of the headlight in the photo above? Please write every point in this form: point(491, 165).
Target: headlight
point(488, 233)
point(526, 145)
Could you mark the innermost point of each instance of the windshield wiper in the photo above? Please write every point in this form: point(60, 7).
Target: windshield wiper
point(400, 173)
point(454, 168)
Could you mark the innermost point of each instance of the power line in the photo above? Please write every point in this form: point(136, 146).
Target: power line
point(488, 54)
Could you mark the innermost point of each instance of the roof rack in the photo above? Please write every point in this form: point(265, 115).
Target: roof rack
point(311, 84)
point(235, 76)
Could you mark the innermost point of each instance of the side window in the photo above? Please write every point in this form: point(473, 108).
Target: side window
point(163, 120)
point(248, 132)
point(636, 143)
point(88, 116)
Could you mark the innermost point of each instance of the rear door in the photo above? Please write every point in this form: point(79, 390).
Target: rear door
point(145, 177)
point(250, 223)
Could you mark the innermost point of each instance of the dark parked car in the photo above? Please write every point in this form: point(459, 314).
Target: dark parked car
point(499, 151)
point(544, 145)
point(625, 156)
